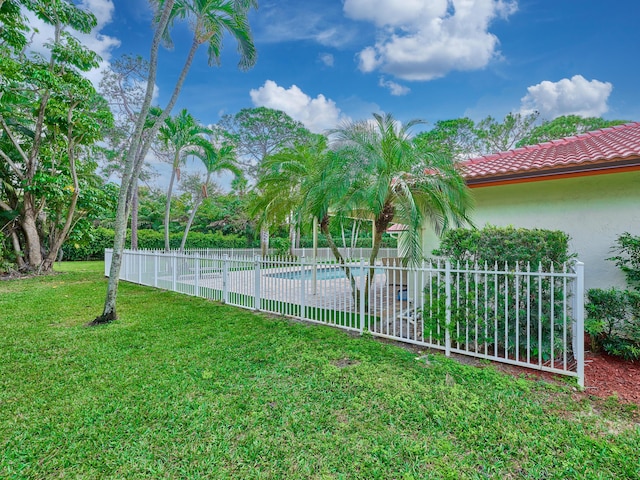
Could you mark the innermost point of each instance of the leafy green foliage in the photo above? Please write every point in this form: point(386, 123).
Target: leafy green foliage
point(456, 139)
point(490, 311)
point(259, 132)
point(506, 245)
point(627, 247)
point(565, 126)
point(95, 240)
point(50, 119)
point(613, 322)
point(613, 316)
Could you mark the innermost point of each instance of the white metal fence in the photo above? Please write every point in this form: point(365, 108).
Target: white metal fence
point(516, 314)
point(321, 254)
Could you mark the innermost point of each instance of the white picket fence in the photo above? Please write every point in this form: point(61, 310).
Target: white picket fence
point(517, 314)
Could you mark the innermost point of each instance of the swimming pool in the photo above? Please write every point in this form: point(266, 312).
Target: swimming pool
point(321, 273)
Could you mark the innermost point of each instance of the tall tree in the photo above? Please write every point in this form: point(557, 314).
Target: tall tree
point(566, 126)
point(258, 133)
point(123, 85)
point(456, 139)
point(369, 176)
point(495, 136)
point(215, 160)
point(209, 21)
point(181, 136)
point(50, 116)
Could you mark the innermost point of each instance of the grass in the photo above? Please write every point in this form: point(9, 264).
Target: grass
point(184, 388)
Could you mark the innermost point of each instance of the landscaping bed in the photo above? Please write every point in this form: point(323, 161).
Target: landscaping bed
point(607, 376)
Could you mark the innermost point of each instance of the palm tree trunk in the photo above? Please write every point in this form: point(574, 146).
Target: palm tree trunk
point(324, 228)
point(167, 208)
point(192, 215)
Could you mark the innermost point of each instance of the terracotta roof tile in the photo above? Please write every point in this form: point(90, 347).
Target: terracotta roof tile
point(592, 148)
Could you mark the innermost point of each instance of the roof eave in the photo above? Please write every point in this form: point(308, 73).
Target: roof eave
point(620, 165)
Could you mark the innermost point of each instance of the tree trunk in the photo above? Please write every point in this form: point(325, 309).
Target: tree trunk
point(192, 215)
point(292, 238)
point(15, 241)
point(264, 241)
point(134, 217)
point(167, 209)
point(30, 230)
point(135, 156)
point(324, 228)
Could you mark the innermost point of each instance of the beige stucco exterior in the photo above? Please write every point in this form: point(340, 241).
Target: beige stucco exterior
point(593, 210)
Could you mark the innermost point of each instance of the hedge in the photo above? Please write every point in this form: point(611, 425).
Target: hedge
point(506, 244)
point(102, 238)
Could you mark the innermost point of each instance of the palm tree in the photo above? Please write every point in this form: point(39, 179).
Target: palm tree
point(215, 160)
point(283, 179)
point(210, 20)
point(368, 176)
point(180, 135)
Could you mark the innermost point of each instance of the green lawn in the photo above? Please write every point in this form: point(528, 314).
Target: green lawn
point(184, 388)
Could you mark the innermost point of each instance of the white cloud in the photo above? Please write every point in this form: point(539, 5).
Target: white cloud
point(395, 88)
point(103, 45)
point(327, 59)
point(317, 114)
point(296, 22)
point(420, 40)
point(575, 96)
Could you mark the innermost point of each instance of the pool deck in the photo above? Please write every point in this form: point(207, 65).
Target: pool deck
point(396, 317)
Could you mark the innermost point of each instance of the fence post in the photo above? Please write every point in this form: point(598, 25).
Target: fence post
point(155, 269)
point(579, 313)
point(174, 271)
point(257, 300)
point(196, 273)
point(447, 294)
point(303, 289)
point(139, 255)
point(225, 278)
point(108, 257)
point(363, 281)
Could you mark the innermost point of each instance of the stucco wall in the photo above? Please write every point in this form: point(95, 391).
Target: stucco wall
point(593, 210)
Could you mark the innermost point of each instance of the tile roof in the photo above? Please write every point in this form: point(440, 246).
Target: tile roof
point(614, 146)
point(397, 227)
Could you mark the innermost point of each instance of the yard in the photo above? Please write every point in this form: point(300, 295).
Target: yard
point(181, 387)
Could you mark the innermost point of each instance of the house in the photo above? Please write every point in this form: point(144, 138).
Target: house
point(587, 186)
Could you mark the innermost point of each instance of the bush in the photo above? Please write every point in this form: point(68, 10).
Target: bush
point(506, 244)
point(101, 238)
point(480, 310)
point(613, 322)
point(628, 259)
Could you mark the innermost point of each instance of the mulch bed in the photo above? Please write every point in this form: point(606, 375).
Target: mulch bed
point(606, 376)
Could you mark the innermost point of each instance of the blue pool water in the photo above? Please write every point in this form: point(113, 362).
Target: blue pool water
point(322, 273)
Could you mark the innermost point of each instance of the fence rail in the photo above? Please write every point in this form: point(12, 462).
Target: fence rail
point(517, 314)
point(321, 253)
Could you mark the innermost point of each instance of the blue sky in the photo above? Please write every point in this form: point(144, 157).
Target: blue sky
point(324, 61)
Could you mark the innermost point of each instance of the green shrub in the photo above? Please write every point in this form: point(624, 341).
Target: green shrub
point(484, 307)
point(506, 244)
point(613, 316)
point(101, 238)
point(613, 322)
point(628, 259)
